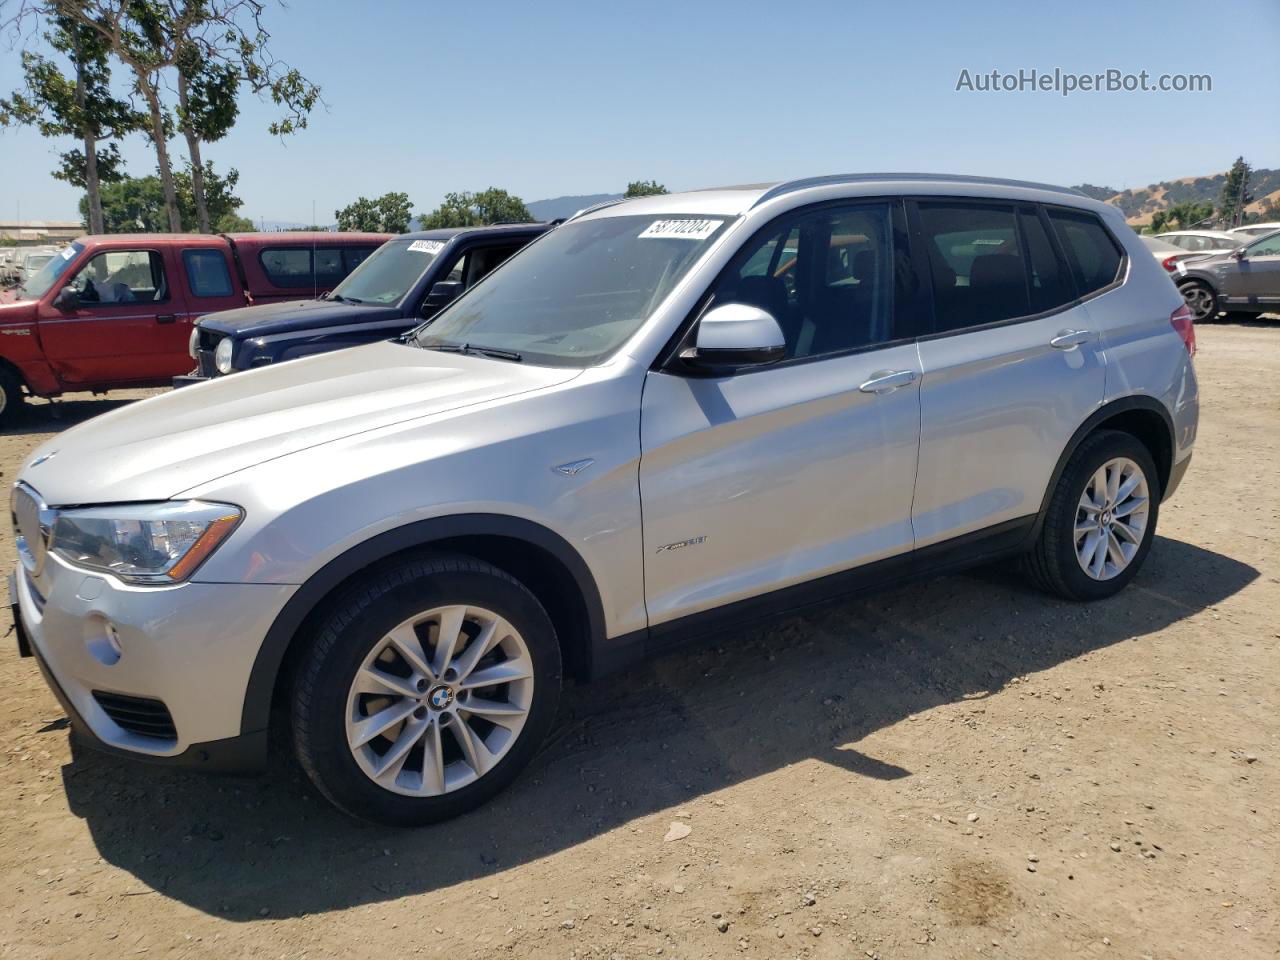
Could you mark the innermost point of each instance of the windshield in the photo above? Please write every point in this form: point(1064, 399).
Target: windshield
point(574, 296)
point(40, 284)
point(390, 272)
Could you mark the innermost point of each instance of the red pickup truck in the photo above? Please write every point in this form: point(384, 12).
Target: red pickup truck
point(117, 311)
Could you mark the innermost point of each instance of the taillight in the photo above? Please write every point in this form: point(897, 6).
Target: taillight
point(1171, 263)
point(1186, 328)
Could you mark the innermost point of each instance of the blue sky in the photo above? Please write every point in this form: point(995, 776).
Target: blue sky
point(555, 98)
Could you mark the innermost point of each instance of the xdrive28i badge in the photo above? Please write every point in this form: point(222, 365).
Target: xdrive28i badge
point(681, 544)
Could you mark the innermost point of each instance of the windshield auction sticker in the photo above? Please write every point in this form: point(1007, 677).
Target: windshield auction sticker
point(426, 246)
point(681, 229)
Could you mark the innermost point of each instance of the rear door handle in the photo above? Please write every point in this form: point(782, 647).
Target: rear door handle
point(886, 381)
point(166, 318)
point(1067, 339)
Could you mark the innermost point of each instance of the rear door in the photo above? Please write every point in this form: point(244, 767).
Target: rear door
point(1013, 365)
point(125, 329)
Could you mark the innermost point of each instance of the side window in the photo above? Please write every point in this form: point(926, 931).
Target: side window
point(329, 269)
point(352, 257)
point(207, 273)
point(1050, 287)
point(458, 272)
point(977, 265)
point(1094, 257)
point(1269, 247)
point(826, 276)
point(485, 259)
point(122, 276)
point(287, 266)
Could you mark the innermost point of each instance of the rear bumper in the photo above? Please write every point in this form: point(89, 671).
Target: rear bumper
point(1176, 474)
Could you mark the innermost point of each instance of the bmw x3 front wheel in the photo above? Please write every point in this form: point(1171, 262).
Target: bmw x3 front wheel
point(427, 688)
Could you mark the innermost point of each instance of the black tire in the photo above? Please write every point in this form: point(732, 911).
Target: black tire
point(1052, 562)
point(11, 397)
point(358, 620)
point(1202, 299)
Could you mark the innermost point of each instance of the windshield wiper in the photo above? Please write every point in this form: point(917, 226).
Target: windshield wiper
point(467, 348)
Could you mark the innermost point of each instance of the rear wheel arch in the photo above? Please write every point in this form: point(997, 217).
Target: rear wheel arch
point(1143, 417)
point(540, 559)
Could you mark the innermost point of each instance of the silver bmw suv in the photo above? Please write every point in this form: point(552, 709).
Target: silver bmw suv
point(663, 418)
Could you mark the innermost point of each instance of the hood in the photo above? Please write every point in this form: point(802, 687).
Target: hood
point(270, 318)
point(156, 448)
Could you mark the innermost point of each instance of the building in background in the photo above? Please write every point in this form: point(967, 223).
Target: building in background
point(31, 233)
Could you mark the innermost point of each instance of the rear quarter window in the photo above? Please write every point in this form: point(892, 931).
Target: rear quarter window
point(1093, 254)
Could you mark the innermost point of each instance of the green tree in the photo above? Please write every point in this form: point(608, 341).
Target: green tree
point(1187, 214)
point(644, 188)
point(389, 213)
point(1235, 193)
point(214, 46)
point(76, 103)
point(137, 204)
point(477, 209)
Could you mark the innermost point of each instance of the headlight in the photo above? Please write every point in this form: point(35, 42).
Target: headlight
point(153, 543)
point(222, 355)
point(193, 343)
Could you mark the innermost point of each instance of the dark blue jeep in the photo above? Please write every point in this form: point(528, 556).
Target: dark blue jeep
point(403, 282)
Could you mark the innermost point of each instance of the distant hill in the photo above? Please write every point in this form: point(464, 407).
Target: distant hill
point(558, 207)
point(1141, 204)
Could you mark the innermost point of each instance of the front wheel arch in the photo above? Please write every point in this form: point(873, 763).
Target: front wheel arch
point(563, 583)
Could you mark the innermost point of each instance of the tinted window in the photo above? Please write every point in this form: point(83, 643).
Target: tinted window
point(826, 276)
point(207, 273)
point(291, 266)
point(1050, 287)
point(288, 266)
point(1094, 257)
point(329, 268)
point(977, 264)
point(122, 276)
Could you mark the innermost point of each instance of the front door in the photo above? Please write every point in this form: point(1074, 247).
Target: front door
point(1014, 365)
point(782, 474)
point(125, 328)
point(1257, 273)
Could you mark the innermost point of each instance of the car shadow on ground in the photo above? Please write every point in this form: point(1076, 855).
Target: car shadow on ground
point(691, 723)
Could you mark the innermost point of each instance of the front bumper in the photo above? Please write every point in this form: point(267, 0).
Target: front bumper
point(191, 646)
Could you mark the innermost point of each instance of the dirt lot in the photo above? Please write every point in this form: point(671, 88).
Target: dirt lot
point(959, 768)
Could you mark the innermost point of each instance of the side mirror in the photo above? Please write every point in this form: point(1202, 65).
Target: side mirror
point(736, 335)
point(1238, 253)
point(441, 294)
point(67, 299)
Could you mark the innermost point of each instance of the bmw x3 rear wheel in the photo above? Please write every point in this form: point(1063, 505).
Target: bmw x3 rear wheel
point(428, 688)
point(1101, 519)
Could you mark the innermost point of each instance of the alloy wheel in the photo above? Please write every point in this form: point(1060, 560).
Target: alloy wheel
point(1201, 301)
point(439, 700)
point(1111, 518)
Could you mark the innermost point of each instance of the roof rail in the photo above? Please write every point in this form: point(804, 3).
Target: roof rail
point(791, 186)
point(596, 206)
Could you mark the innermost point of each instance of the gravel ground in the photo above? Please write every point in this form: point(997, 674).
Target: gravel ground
point(958, 768)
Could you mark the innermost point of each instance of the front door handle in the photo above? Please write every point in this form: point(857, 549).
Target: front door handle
point(1067, 339)
point(166, 318)
point(886, 381)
